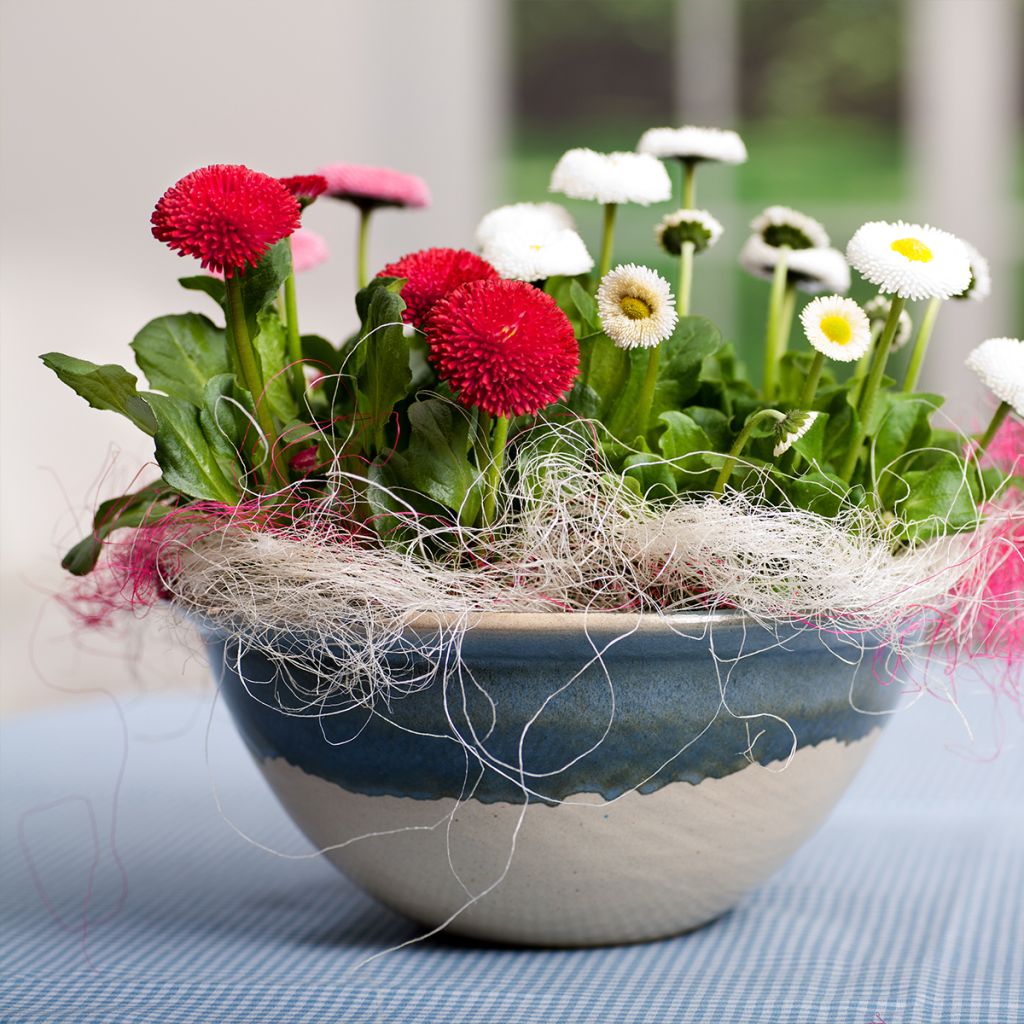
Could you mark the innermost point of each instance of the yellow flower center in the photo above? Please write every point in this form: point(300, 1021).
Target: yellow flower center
point(913, 248)
point(634, 308)
point(836, 329)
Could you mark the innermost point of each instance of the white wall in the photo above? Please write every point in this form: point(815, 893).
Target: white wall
point(106, 103)
point(963, 89)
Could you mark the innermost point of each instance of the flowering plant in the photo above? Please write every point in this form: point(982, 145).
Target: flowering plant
point(464, 361)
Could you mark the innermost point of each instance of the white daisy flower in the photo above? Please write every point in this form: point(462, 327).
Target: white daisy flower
point(878, 312)
point(781, 225)
point(791, 429)
point(693, 143)
point(697, 226)
point(913, 261)
point(981, 277)
point(636, 307)
point(611, 177)
point(999, 362)
point(811, 270)
point(522, 217)
point(837, 327)
point(524, 256)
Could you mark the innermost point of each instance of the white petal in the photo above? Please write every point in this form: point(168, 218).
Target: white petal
point(611, 177)
point(999, 362)
point(693, 143)
point(946, 274)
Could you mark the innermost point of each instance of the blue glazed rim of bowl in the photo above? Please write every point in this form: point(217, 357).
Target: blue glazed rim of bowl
point(666, 686)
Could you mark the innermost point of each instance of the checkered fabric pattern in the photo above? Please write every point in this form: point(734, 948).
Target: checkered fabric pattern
point(128, 898)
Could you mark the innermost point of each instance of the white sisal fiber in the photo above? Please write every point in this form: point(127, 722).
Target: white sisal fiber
point(569, 537)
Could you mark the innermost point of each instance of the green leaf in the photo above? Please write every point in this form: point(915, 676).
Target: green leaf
point(840, 430)
point(585, 305)
point(653, 477)
point(609, 374)
point(561, 290)
point(794, 369)
point(142, 508)
point(185, 455)
point(815, 491)
point(180, 353)
point(108, 387)
point(261, 284)
point(937, 501)
point(365, 296)
point(321, 353)
point(271, 344)
point(437, 459)
point(685, 442)
point(682, 360)
point(714, 423)
point(384, 377)
point(682, 437)
point(212, 286)
point(901, 426)
point(227, 420)
point(433, 477)
point(583, 400)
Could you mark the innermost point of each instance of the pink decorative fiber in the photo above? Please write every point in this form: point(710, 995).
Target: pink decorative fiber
point(1007, 448)
point(375, 186)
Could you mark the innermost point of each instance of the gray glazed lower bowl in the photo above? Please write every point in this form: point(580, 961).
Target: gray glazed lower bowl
point(572, 779)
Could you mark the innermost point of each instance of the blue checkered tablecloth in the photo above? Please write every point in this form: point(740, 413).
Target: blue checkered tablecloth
point(128, 897)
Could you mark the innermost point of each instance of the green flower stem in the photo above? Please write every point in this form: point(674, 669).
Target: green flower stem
point(871, 388)
point(481, 438)
point(607, 238)
point(864, 364)
point(246, 355)
point(291, 319)
point(494, 468)
point(741, 442)
point(811, 384)
point(786, 318)
point(772, 338)
point(924, 335)
point(689, 184)
point(688, 197)
point(990, 431)
point(363, 245)
point(650, 382)
point(685, 279)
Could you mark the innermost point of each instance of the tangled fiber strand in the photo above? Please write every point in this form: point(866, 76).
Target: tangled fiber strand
point(569, 537)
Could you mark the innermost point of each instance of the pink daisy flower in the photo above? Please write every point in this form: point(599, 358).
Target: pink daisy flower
point(374, 186)
point(309, 250)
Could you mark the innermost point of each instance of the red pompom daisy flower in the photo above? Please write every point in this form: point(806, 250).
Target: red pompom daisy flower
point(503, 346)
point(305, 187)
point(225, 215)
point(375, 186)
point(432, 274)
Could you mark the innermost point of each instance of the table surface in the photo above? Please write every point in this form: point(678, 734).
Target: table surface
point(129, 896)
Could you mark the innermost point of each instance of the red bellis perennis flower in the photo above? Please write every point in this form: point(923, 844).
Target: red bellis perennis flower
point(225, 215)
point(433, 274)
point(305, 187)
point(503, 346)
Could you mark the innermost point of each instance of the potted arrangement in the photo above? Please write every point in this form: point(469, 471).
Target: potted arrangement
point(545, 622)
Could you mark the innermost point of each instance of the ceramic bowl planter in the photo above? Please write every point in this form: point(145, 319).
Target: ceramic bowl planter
point(640, 803)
